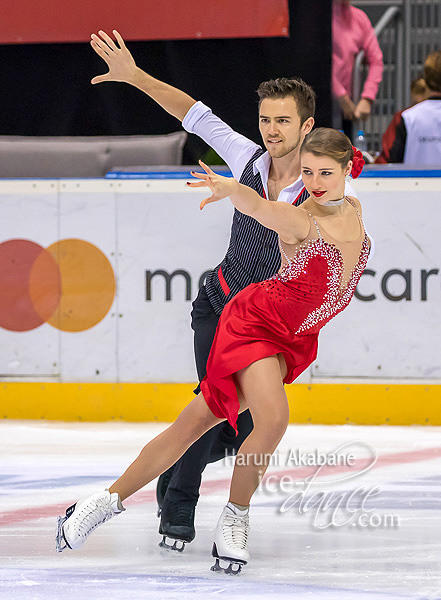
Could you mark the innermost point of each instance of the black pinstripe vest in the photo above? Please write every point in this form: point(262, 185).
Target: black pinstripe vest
point(253, 254)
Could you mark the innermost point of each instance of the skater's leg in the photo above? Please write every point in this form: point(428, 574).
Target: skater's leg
point(262, 387)
point(166, 448)
point(214, 445)
point(86, 515)
point(221, 439)
point(177, 510)
point(185, 480)
point(187, 472)
point(181, 484)
point(226, 442)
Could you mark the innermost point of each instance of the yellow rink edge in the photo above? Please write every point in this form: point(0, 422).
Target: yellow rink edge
point(325, 403)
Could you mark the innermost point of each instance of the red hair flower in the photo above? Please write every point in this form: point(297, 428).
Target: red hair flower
point(357, 163)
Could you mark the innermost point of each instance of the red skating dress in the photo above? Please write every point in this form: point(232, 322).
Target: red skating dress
point(283, 314)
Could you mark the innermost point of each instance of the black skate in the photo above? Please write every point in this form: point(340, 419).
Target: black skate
point(161, 487)
point(177, 523)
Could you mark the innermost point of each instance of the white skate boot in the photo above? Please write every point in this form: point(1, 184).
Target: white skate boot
point(231, 540)
point(85, 516)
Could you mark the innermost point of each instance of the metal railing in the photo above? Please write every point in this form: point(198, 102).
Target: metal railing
point(390, 33)
point(407, 32)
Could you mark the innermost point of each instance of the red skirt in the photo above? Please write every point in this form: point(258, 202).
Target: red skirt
point(250, 329)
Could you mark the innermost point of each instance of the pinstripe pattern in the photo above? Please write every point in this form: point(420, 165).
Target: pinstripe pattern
point(253, 254)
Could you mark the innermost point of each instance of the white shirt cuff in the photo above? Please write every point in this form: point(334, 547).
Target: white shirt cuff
point(193, 115)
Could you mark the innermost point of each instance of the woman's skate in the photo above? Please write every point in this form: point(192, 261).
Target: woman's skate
point(231, 540)
point(85, 516)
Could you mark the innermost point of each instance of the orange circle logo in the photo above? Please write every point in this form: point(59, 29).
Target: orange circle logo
point(70, 285)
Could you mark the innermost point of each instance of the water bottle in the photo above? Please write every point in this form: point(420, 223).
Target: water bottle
point(360, 142)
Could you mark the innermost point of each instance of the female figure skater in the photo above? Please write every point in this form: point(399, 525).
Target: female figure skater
point(266, 337)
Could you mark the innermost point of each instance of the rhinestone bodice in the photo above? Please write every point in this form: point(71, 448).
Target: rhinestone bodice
point(318, 280)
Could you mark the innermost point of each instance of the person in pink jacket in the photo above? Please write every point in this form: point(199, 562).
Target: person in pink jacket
point(352, 31)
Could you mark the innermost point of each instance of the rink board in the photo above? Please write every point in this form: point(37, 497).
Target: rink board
point(361, 404)
point(159, 245)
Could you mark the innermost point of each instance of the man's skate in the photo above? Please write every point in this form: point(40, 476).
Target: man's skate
point(231, 540)
point(177, 523)
point(85, 516)
point(161, 487)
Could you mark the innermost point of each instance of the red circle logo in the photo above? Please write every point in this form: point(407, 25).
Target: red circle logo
point(70, 285)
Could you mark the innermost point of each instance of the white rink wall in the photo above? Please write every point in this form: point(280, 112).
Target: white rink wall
point(391, 331)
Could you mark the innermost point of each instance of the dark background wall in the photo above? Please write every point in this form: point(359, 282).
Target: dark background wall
point(45, 88)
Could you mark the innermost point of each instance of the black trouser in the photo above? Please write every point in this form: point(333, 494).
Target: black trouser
point(221, 439)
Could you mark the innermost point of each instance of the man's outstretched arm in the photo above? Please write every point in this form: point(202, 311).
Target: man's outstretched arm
point(122, 67)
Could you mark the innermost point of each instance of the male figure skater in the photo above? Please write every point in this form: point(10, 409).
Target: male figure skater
point(286, 115)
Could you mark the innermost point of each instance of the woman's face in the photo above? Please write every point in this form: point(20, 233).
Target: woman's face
point(323, 177)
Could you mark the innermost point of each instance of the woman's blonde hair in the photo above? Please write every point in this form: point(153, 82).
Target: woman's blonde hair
point(324, 141)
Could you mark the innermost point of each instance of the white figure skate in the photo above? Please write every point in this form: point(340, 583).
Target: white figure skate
point(85, 516)
point(231, 540)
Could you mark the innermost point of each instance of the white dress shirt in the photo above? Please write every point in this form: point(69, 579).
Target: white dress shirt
point(236, 150)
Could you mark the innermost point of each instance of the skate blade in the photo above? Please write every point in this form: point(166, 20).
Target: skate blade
point(234, 568)
point(60, 540)
point(175, 547)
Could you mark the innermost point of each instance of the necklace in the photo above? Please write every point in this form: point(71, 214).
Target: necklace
point(337, 202)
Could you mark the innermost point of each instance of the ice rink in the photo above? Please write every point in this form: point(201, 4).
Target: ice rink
point(369, 527)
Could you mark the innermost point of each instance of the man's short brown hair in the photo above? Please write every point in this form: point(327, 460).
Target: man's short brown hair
point(282, 87)
point(432, 71)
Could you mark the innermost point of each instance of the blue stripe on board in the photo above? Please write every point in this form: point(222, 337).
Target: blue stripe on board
point(159, 174)
point(371, 171)
point(400, 174)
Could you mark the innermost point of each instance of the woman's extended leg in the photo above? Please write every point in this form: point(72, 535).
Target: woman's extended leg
point(165, 449)
point(262, 387)
point(83, 517)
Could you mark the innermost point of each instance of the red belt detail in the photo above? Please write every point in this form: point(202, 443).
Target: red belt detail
point(224, 284)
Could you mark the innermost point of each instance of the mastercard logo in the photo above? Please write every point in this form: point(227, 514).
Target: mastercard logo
point(69, 285)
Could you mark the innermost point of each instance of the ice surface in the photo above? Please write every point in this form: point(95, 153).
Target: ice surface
point(46, 466)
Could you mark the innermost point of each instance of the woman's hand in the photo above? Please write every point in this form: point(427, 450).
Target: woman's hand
point(290, 222)
point(220, 186)
point(121, 65)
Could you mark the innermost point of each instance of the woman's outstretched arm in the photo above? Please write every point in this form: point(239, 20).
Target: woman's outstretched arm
point(290, 222)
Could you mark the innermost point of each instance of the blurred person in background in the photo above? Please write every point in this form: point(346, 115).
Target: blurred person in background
point(418, 93)
point(418, 133)
point(352, 31)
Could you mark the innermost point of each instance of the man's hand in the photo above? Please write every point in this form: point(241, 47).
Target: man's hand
point(220, 186)
point(363, 109)
point(121, 65)
point(347, 107)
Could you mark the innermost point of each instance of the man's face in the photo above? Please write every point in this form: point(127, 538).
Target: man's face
point(279, 125)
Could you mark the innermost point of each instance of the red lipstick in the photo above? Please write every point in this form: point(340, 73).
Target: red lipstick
point(319, 194)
